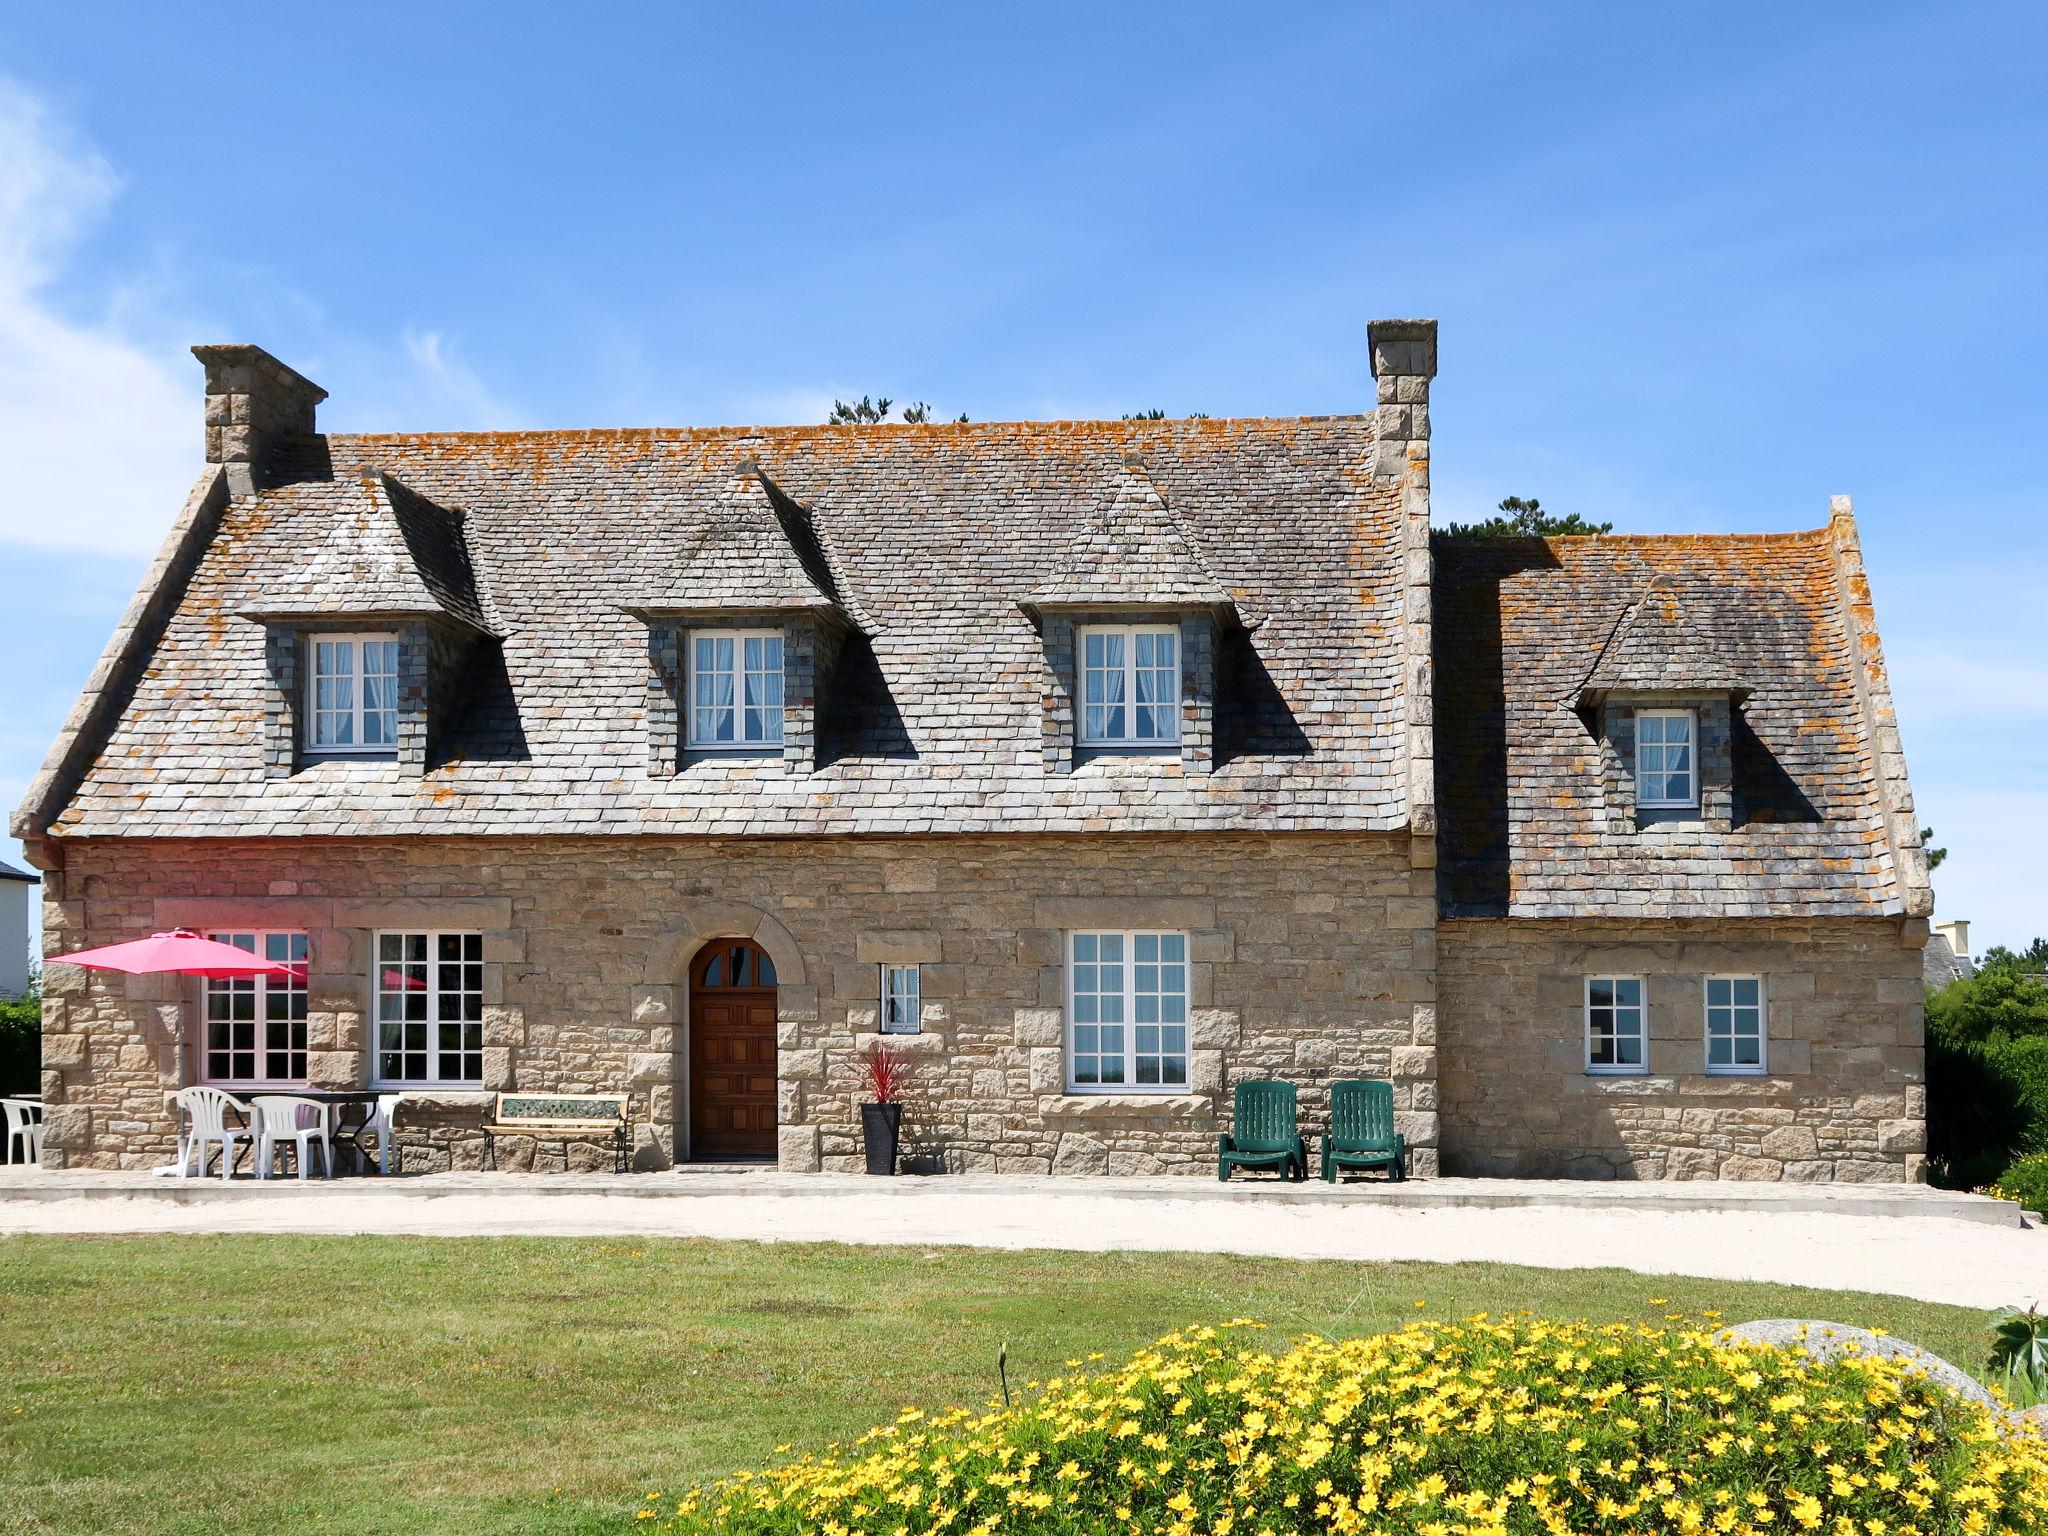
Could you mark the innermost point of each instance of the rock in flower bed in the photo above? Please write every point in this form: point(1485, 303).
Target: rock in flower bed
point(1479, 1428)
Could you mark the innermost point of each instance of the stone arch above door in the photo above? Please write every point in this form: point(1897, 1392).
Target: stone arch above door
point(668, 958)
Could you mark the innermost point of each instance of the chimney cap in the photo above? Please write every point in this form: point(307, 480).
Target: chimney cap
point(239, 367)
point(1406, 347)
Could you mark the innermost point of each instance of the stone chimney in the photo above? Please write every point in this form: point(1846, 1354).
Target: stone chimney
point(253, 402)
point(1404, 361)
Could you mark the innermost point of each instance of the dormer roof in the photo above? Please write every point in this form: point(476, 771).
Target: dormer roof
point(1135, 552)
point(1681, 635)
point(759, 550)
point(391, 553)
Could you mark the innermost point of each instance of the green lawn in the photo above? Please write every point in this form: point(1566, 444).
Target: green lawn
point(266, 1384)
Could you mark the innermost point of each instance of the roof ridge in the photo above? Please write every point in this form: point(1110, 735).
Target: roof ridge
point(1198, 426)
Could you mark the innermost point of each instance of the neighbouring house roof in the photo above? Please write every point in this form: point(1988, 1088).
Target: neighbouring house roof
point(1523, 828)
point(1940, 964)
point(931, 540)
point(9, 872)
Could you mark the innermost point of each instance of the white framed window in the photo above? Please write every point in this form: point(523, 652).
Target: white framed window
point(352, 693)
point(901, 1013)
point(1127, 1012)
point(430, 1008)
point(735, 689)
point(256, 1025)
point(1736, 1033)
point(1667, 772)
point(1130, 685)
point(1616, 1042)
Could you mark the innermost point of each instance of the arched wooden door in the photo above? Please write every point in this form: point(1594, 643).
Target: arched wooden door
point(732, 1051)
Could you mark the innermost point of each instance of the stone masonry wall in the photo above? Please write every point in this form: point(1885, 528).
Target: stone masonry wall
point(1844, 1099)
point(1312, 957)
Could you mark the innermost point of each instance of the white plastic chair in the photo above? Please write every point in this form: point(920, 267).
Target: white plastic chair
point(384, 1121)
point(206, 1111)
point(307, 1123)
point(24, 1130)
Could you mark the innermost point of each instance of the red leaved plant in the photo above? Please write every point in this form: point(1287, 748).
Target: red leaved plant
point(884, 1072)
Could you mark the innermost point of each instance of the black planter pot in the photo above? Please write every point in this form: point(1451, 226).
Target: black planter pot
point(879, 1125)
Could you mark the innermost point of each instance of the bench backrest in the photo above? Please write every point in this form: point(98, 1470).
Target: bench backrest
point(1362, 1113)
point(560, 1108)
point(1263, 1117)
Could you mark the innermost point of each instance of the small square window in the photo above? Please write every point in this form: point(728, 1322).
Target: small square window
point(1736, 1032)
point(1667, 775)
point(1130, 686)
point(352, 694)
point(735, 689)
point(901, 1013)
point(1615, 1038)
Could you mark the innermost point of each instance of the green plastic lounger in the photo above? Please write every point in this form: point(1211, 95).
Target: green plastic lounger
point(1263, 1133)
point(1362, 1133)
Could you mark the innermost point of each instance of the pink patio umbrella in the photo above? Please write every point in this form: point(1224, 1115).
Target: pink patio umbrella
point(180, 952)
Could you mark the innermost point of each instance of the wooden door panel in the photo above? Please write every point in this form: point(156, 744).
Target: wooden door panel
point(732, 1073)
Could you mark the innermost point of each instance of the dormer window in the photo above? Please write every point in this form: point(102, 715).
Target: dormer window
point(352, 694)
point(1130, 685)
point(735, 689)
point(1667, 774)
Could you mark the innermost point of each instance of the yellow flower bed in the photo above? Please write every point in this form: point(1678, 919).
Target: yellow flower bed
point(1473, 1429)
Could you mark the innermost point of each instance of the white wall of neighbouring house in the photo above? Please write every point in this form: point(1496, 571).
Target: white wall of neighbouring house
point(15, 899)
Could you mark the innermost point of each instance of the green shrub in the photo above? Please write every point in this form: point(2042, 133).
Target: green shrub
point(1476, 1429)
point(1995, 1002)
point(2025, 1181)
point(1987, 1103)
point(21, 1045)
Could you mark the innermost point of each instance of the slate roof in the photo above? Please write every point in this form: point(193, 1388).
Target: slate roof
point(1136, 549)
point(1523, 826)
point(930, 538)
point(1939, 963)
point(9, 872)
point(386, 549)
point(1670, 639)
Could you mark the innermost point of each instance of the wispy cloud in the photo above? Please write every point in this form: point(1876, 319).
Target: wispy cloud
point(98, 437)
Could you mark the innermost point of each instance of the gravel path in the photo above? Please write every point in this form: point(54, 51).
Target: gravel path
point(1961, 1262)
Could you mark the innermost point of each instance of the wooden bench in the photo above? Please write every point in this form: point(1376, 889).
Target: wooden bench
point(563, 1117)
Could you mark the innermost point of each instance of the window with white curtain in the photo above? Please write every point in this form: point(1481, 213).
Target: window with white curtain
point(1127, 1012)
point(901, 1010)
point(735, 689)
point(1130, 685)
point(352, 693)
point(1666, 775)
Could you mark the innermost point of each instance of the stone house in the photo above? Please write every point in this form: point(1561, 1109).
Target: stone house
point(1096, 765)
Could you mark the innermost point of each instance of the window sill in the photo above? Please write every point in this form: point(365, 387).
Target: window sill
point(1738, 1072)
point(439, 1095)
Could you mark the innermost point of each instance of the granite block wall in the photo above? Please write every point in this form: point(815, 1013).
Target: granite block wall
point(1312, 957)
point(1843, 1100)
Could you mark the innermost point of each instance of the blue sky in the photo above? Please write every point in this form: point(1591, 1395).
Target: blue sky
point(1696, 268)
